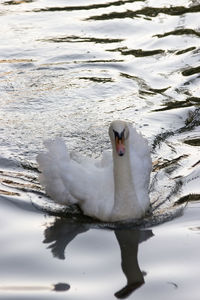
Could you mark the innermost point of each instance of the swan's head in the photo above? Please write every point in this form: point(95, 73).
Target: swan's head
point(119, 133)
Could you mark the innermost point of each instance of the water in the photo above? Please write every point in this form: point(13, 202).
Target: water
point(67, 69)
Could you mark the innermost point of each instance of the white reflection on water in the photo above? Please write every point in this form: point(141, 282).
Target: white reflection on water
point(93, 262)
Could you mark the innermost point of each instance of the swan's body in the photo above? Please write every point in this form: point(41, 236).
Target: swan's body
point(111, 189)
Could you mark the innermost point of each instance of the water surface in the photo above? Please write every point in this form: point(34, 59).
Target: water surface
point(67, 69)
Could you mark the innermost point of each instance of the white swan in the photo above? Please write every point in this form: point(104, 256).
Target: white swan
point(111, 189)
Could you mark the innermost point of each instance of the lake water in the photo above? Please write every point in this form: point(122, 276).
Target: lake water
point(67, 69)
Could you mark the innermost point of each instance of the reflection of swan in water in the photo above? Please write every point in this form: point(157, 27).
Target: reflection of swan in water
point(128, 241)
point(114, 188)
point(62, 232)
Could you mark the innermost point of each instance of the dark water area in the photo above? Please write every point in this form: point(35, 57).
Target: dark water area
point(67, 69)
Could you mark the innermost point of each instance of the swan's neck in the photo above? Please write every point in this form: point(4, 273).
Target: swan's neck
point(125, 198)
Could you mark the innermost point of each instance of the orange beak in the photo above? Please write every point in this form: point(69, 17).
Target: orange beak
point(120, 147)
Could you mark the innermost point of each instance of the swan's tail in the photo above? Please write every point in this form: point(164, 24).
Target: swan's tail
point(53, 164)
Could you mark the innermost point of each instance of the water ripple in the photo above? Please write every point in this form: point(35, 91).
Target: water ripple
point(148, 12)
point(87, 7)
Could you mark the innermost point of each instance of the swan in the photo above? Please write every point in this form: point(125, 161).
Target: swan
point(112, 188)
